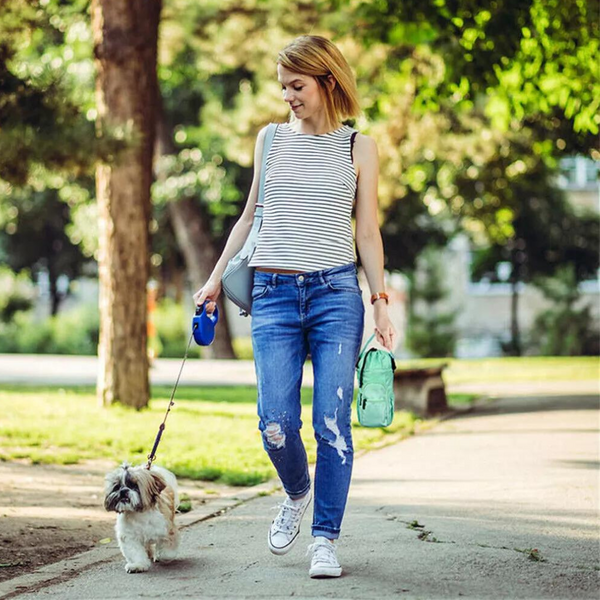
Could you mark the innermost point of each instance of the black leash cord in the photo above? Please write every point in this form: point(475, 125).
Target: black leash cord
point(152, 455)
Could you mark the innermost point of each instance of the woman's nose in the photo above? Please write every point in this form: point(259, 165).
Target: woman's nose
point(287, 96)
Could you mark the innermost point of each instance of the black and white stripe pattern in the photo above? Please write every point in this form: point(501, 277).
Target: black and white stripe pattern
point(310, 187)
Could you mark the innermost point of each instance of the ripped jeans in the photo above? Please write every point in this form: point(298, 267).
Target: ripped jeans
point(320, 312)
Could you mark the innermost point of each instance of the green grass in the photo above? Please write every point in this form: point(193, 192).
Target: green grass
point(535, 368)
point(211, 433)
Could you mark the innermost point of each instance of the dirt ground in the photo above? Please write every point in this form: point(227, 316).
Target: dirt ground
point(48, 513)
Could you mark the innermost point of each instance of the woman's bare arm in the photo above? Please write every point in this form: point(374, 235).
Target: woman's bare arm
point(368, 236)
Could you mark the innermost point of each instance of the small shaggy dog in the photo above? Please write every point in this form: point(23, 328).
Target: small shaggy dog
point(145, 501)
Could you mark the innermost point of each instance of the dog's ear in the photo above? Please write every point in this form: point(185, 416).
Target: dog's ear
point(110, 481)
point(159, 483)
point(151, 485)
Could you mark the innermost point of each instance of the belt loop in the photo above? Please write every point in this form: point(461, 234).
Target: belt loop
point(274, 279)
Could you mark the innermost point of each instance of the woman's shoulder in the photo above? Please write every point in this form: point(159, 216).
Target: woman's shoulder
point(364, 145)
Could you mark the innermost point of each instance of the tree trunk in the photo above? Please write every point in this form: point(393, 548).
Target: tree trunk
point(125, 46)
point(192, 232)
point(53, 288)
point(514, 317)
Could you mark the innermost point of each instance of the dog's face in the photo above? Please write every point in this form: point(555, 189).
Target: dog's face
point(132, 489)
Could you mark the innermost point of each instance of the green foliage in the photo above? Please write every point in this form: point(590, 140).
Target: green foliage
point(464, 100)
point(189, 174)
point(430, 331)
point(33, 234)
point(407, 228)
point(242, 347)
point(76, 331)
point(173, 327)
point(16, 294)
point(73, 332)
point(565, 329)
point(45, 53)
point(537, 231)
point(528, 57)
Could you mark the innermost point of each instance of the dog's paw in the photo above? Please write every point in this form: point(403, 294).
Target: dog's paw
point(137, 567)
point(165, 555)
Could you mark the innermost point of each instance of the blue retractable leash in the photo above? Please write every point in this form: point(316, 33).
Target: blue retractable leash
point(203, 333)
point(203, 325)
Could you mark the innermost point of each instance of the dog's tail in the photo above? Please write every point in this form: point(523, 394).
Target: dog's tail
point(170, 480)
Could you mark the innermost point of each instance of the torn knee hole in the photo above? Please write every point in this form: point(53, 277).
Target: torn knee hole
point(274, 435)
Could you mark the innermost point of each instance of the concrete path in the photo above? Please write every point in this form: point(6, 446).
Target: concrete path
point(486, 493)
point(83, 370)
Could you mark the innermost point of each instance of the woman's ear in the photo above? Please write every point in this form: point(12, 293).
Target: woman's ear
point(331, 82)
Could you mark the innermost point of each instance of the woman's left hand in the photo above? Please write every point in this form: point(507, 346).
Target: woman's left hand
point(384, 330)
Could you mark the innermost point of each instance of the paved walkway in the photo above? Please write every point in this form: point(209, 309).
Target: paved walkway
point(483, 491)
point(83, 370)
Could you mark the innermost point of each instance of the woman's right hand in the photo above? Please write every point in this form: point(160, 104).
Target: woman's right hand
point(209, 291)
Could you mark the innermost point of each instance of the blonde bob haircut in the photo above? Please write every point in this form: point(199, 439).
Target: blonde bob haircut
point(318, 57)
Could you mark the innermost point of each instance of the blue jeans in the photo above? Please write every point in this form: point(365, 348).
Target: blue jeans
point(320, 312)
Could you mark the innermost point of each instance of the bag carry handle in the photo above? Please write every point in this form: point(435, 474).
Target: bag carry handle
point(362, 356)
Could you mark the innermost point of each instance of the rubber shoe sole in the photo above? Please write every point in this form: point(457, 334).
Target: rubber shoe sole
point(285, 549)
point(322, 572)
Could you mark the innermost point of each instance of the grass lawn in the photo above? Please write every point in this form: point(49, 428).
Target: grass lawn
point(211, 433)
point(534, 368)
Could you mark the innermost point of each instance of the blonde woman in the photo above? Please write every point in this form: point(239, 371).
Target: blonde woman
point(306, 297)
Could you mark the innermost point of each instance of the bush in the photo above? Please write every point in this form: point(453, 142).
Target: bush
point(564, 330)
point(77, 332)
point(431, 332)
point(73, 332)
point(16, 294)
point(173, 329)
point(243, 348)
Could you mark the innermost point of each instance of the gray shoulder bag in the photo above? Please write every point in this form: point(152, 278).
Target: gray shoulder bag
point(238, 277)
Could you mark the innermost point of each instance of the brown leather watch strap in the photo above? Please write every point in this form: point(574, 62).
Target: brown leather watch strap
point(380, 296)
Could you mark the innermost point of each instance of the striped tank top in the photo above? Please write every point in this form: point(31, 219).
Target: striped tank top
point(310, 186)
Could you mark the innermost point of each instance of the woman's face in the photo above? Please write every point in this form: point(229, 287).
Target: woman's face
point(301, 92)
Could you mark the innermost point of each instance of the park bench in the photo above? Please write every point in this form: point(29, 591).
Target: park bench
point(420, 390)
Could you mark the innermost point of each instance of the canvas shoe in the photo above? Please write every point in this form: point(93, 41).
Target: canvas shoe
point(324, 561)
point(284, 530)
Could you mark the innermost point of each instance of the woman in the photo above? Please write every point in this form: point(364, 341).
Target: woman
point(306, 297)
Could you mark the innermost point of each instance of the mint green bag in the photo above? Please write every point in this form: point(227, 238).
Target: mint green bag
point(375, 373)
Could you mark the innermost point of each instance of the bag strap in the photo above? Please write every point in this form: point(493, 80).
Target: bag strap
point(250, 243)
point(360, 356)
point(360, 363)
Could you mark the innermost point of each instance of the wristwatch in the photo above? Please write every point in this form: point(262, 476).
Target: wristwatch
point(380, 296)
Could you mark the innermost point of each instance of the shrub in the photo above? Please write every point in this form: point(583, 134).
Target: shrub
point(431, 332)
point(564, 330)
point(73, 332)
point(16, 293)
point(173, 329)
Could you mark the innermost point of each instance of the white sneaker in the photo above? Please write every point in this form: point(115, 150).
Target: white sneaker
point(284, 530)
point(324, 561)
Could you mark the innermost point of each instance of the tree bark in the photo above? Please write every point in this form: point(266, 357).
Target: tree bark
point(515, 332)
point(125, 46)
point(54, 295)
point(192, 232)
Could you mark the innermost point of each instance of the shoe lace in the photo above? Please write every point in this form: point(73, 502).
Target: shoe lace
point(322, 552)
point(287, 518)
